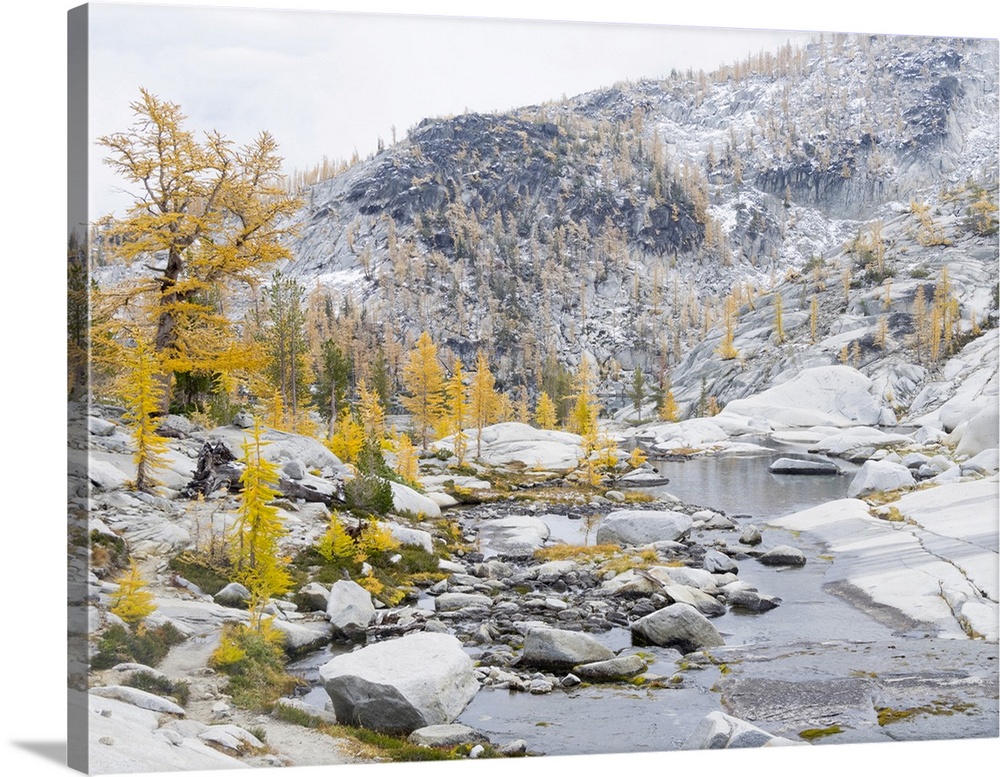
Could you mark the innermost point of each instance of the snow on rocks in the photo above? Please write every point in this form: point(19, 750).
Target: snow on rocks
point(403, 684)
point(880, 476)
point(836, 396)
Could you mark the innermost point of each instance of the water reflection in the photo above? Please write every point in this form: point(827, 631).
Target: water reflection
point(742, 485)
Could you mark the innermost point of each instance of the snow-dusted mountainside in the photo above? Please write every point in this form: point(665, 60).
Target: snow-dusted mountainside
point(842, 177)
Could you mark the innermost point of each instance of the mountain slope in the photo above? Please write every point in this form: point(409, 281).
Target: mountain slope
point(615, 224)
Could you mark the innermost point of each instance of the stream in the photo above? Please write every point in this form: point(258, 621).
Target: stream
point(786, 669)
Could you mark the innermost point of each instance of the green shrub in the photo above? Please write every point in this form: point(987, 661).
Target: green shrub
point(161, 686)
point(118, 645)
point(254, 660)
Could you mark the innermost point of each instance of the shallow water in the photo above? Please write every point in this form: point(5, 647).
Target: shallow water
point(812, 637)
point(742, 485)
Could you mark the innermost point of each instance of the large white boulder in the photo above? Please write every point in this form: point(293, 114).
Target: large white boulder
point(981, 432)
point(880, 476)
point(642, 527)
point(419, 680)
point(561, 649)
point(349, 609)
point(523, 445)
point(858, 443)
point(717, 731)
point(281, 446)
point(820, 396)
point(405, 535)
point(406, 500)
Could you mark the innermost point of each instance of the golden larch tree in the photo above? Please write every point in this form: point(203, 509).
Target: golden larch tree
point(132, 602)
point(142, 395)
point(545, 412)
point(207, 214)
point(423, 382)
point(458, 406)
point(484, 404)
point(258, 528)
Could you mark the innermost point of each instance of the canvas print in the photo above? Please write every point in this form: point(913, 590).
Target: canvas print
point(635, 393)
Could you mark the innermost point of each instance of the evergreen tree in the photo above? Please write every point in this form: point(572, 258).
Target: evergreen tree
point(284, 337)
point(637, 392)
point(333, 385)
point(423, 382)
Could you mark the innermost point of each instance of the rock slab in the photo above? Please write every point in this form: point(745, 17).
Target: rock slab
point(398, 686)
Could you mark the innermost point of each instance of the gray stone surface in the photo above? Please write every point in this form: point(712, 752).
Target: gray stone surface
point(561, 649)
point(402, 684)
point(618, 668)
point(350, 609)
point(447, 735)
point(783, 556)
point(642, 527)
point(679, 626)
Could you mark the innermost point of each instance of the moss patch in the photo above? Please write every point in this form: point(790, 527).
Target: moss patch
point(889, 715)
point(810, 734)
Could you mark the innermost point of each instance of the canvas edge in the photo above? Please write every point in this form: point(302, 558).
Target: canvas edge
point(77, 749)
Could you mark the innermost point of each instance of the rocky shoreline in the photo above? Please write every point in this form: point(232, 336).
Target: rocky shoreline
point(876, 611)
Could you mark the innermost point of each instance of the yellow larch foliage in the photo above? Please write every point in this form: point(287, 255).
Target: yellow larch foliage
point(132, 602)
point(483, 399)
point(726, 348)
point(407, 464)
point(458, 410)
point(349, 438)
point(583, 417)
point(142, 396)
point(371, 413)
point(423, 382)
point(545, 412)
point(669, 409)
point(255, 534)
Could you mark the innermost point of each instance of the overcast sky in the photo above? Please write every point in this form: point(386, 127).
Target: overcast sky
point(331, 83)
